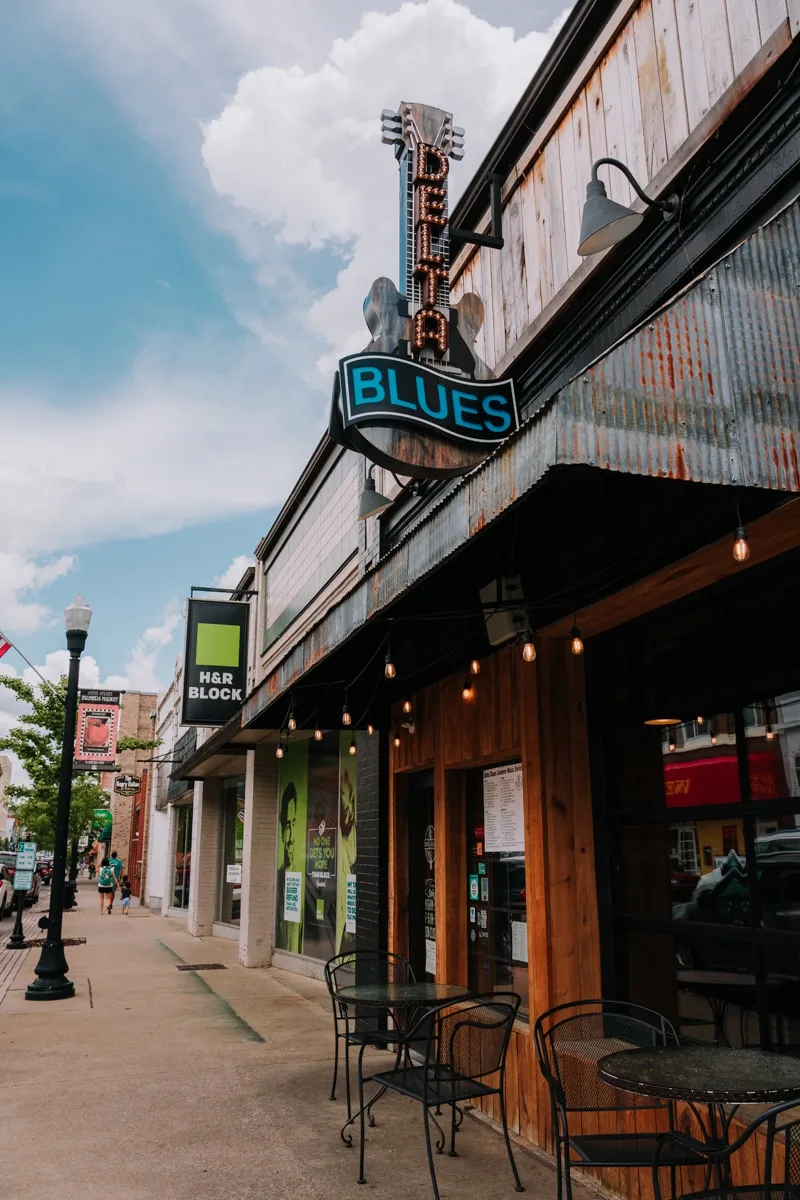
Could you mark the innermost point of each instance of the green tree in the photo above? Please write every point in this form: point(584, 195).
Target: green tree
point(36, 740)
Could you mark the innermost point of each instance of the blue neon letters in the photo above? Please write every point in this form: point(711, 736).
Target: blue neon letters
point(399, 391)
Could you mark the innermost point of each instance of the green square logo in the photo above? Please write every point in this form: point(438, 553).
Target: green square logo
point(320, 908)
point(217, 645)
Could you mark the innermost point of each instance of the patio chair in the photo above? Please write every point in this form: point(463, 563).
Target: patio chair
point(456, 1048)
point(780, 1176)
point(345, 970)
point(570, 1039)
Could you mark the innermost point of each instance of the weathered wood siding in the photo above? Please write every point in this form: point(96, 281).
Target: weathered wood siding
point(653, 89)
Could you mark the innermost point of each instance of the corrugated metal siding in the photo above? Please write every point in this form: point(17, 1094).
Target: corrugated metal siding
point(707, 391)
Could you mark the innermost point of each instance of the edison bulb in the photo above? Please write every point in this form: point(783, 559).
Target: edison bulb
point(346, 718)
point(291, 724)
point(406, 706)
point(279, 750)
point(741, 547)
point(389, 669)
point(317, 735)
point(576, 645)
point(529, 652)
point(370, 730)
point(770, 734)
point(466, 691)
point(352, 747)
point(474, 667)
point(396, 740)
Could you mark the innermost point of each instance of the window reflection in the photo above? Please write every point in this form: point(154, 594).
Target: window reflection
point(183, 856)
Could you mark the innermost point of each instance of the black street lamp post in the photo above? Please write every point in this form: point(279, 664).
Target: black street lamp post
point(51, 970)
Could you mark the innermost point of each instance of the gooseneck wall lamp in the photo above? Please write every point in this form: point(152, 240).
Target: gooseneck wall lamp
point(604, 222)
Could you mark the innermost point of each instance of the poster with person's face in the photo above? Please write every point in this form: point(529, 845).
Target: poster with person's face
point(346, 855)
point(292, 821)
point(319, 927)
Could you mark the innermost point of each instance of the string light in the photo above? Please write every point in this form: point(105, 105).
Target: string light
point(370, 730)
point(700, 720)
point(352, 747)
point(671, 743)
point(318, 735)
point(576, 645)
point(389, 670)
point(346, 717)
point(712, 732)
point(770, 734)
point(474, 667)
point(396, 740)
point(407, 706)
point(279, 750)
point(741, 546)
point(291, 724)
point(466, 692)
point(529, 648)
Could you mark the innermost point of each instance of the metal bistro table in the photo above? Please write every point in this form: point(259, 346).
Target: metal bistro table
point(715, 1076)
point(404, 1002)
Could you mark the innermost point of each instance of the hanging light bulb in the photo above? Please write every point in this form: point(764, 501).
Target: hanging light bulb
point(576, 644)
point(351, 749)
point(396, 739)
point(370, 730)
point(291, 724)
point(407, 706)
point(671, 744)
point(700, 720)
point(770, 734)
point(528, 648)
point(389, 670)
point(317, 735)
point(474, 667)
point(712, 733)
point(741, 546)
point(346, 717)
point(279, 750)
point(467, 692)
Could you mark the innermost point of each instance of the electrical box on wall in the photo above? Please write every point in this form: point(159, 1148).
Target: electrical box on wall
point(510, 622)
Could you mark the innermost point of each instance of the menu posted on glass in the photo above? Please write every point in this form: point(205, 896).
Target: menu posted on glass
point(504, 824)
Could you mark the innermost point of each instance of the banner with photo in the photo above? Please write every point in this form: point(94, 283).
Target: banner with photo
point(346, 857)
point(292, 821)
point(97, 729)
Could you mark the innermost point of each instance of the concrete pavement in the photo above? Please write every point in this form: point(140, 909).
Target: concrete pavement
point(153, 1082)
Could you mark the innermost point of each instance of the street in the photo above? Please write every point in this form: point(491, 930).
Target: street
point(156, 1082)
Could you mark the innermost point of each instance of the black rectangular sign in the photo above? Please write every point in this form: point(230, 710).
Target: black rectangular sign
point(382, 388)
point(215, 663)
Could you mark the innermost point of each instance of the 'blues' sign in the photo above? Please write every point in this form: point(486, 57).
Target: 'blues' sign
point(384, 389)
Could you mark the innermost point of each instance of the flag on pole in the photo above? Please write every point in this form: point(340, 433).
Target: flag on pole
point(5, 645)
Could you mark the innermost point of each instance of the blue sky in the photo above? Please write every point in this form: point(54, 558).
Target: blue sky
point(187, 228)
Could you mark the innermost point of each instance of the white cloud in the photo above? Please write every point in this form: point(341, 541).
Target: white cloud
point(300, 149)
point(140, 669)
point(21, 576)
point(234, 572)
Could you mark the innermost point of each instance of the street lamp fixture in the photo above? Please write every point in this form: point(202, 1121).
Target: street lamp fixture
point(371, 502)
point(604, 222)
point(51, 982)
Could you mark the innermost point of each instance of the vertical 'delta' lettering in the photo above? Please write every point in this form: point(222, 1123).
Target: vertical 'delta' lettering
point(432, 165)
point(431, 329)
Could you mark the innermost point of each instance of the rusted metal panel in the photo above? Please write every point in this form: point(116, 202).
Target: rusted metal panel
point(707, 391)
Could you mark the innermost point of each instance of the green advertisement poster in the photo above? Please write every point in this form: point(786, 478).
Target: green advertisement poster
point(346, 866)
point(292, 819)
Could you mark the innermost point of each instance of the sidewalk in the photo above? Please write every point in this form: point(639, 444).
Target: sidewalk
point(153, 1082)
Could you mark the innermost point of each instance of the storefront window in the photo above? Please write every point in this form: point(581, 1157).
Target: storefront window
point(183, 856)
point(229, 892)
point(707, 889)
point(496, 889)
point(316, 877)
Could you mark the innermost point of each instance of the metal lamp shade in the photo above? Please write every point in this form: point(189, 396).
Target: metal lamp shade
point(604, 221)
point(372, 501)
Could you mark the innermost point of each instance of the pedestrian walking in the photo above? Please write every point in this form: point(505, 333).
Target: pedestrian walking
point(125, 890)
point(105, 885)
point(115, 862)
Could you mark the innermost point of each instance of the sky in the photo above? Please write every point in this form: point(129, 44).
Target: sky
point(194, 200)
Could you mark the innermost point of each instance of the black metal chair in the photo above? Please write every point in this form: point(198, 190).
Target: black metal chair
point(458, 1046)
point(781, 1162)
point(345, 970)
point(570, 1039)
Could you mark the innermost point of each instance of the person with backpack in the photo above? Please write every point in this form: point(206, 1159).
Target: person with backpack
point(106, 883)
point(115, 862)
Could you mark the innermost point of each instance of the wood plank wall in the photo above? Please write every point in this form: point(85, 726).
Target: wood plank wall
point(669, 76)
point(535, 713)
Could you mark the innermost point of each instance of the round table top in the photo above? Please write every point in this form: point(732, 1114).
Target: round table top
point(707, 1074)
point(396, 995)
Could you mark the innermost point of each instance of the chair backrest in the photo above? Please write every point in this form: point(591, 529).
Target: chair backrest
point(472, 1039)
point(366, 966)
point(571, 1039)
point(782, 1156)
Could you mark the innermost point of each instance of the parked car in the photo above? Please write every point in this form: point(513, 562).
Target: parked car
point(6, 891)
point(8, 859)
point(45, 868)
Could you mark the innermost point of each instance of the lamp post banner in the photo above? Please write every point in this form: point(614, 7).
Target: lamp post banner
point(98, 726)
point(385, 389)
point(215, 670)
